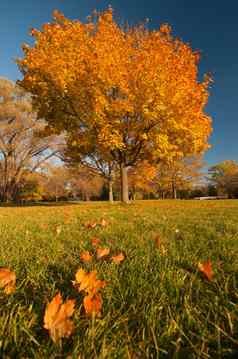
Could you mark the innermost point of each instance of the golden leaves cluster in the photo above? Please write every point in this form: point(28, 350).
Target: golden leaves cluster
point(118, 81)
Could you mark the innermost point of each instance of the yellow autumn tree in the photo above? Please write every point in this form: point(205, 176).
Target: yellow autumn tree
point(132, 91)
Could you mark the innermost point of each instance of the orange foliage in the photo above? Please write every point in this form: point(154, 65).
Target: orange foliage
point(206, 269)
point(86, 256)
point(88, 282)
point(7, 280)
point(93, 304)
point(135, 94)
point(56, 319)
point(118, 258)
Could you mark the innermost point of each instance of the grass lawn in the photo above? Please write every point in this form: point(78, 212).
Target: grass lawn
point(156, 304)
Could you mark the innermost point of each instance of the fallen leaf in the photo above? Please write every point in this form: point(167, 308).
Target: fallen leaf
point(56, 318)
point(118, 258)
point(95, 241)
point(90, 225)
point(93, 304)
point(104, 223)
point(102, 252)
point(7, 280)
point(160, 245)
point(157, 241)
point(58, 230)
point(206, 269)
point(86, 257)
point(88, 282)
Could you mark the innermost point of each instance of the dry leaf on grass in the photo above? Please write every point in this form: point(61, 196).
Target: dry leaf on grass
point(160, 245)
point(90, 225)
point(157, 241)
point(95, 241)
point(93, 304)
point(103, 223)
point(56, 319)
point(86, 257)
point(118, 258)
point(88, 282)
point(206, 269)
point(102, 252)
point(7, 280)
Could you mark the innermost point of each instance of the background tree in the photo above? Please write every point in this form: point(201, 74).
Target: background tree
point(178, 176)
point(224, 176)
point(21, 146)
point(55, 182)
point(85, 184)
point(131, 91)
point(30, 188)
point(141, 179)
point(85, 153)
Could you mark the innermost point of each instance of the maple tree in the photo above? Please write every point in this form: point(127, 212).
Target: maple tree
point(132, 92)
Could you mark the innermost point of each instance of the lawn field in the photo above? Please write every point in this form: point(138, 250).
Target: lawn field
point(156, 303)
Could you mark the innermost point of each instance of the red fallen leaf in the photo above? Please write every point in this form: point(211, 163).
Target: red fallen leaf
point(102, 252)
point(7, 280)
point(91, 225)
point(95, 241)
point(206, 269)
point(56, 318)
point(93, 304)
point(86, 257)
point(118, 258)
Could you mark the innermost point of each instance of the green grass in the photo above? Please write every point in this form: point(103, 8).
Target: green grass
point(154, 305)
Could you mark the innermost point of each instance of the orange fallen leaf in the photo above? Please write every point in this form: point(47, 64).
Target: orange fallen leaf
point(104, 223)
point(88, 282)
point(93, 304)
point(56, 318)
point(118, 258)
point(95, 241)
point(102, 252)
point(86, 257)
point(160, 245)
point(206, 269)
point(90, 225)
point(7, 280)
point(157, 241)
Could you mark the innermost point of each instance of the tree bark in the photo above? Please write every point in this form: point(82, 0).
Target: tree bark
point(174, 189)
point(110, 183)
point(124, 184)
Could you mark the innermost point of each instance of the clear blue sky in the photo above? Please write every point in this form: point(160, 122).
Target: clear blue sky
point(210, 26)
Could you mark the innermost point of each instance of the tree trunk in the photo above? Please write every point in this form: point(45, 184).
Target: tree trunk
point(110, 183)
point(174, 190)
point(124, 184)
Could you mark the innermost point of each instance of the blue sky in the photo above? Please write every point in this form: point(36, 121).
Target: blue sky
point(210, 26)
